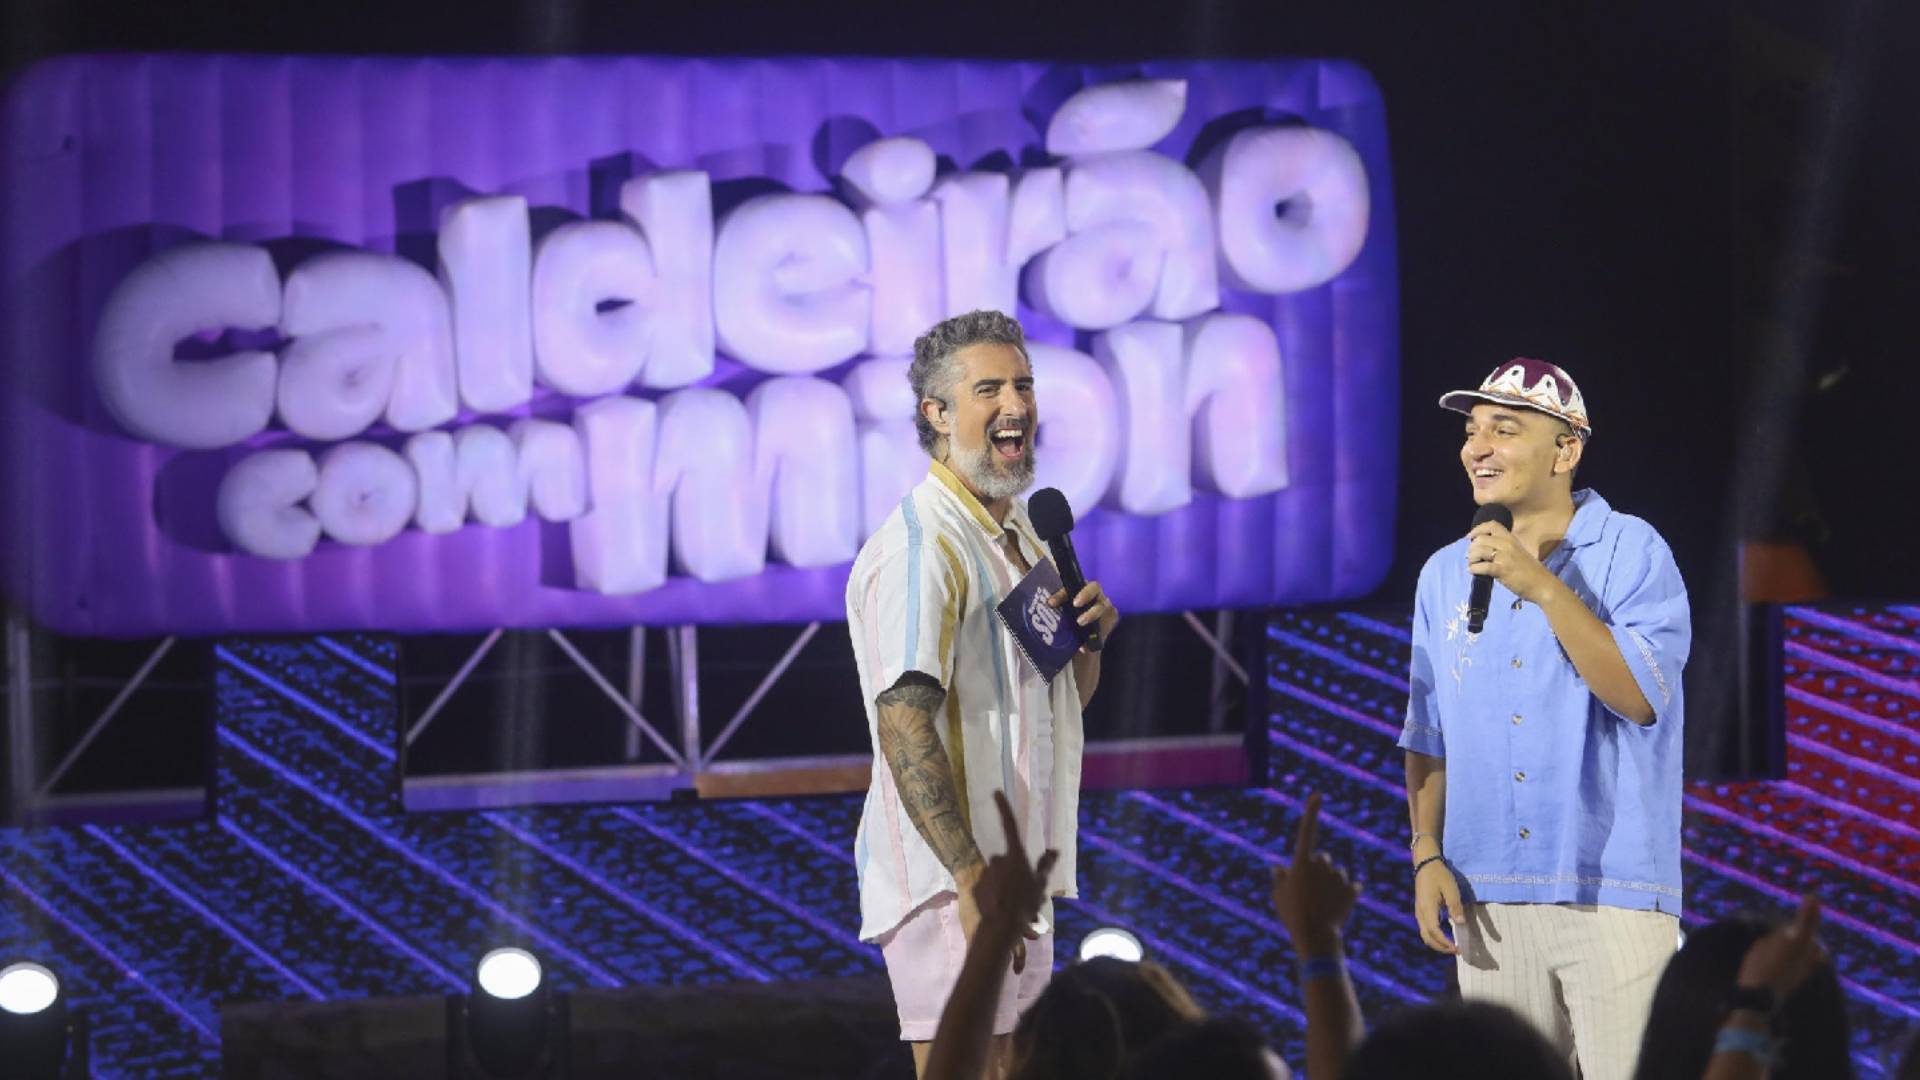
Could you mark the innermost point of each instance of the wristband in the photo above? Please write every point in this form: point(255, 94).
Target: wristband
point(1756, 1044)
point(1414, 840)
point(1322, 967)
point(1422, 864)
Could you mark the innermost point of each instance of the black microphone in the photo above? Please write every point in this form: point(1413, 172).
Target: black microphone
point(1482, 592)
point(1053, 520)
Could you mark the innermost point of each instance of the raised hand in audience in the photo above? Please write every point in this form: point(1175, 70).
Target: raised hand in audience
point(1313, 898)
point(1773, 968)
point(1008, 893)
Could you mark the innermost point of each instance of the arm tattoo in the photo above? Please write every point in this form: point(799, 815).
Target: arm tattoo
point(921, 770)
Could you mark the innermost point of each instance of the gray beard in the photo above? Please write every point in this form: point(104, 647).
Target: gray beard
point(987, 477)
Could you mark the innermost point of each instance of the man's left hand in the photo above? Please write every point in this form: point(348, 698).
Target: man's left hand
point(1093, 605)
point(1493, 551)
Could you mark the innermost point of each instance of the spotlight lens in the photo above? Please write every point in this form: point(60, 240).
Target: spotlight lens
point(509, 974)
point(1113, 942)
point(27, 988)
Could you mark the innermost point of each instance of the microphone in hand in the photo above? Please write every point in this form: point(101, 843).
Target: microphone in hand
point(1053, 521)
point(1481, 594)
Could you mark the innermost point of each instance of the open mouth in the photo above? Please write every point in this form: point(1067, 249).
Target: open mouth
point(1010, 444)
point(1482, 476)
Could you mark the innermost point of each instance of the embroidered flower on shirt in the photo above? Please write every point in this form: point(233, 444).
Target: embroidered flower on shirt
point(1457, 629)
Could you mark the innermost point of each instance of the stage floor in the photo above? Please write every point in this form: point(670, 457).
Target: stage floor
point(310, 883)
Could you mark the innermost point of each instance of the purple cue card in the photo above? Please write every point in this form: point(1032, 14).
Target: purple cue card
point(1047, 636)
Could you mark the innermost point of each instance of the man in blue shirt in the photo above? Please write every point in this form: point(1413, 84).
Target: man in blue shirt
point(1543, 753)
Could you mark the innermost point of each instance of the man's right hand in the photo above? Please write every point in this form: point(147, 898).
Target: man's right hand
point(964, 879)
point(1434, 888)
point(1012, 889)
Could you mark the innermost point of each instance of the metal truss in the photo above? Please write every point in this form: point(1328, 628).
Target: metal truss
point(35, 800)
point(689, 757)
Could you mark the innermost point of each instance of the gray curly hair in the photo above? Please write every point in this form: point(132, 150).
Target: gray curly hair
point(934, 370)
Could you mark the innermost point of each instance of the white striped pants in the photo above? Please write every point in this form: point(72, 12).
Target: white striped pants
point(1584, 975)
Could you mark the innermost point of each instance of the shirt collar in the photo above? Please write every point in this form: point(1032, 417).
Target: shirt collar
point(1589, 518)
point(1022, 525)
point(951, 481)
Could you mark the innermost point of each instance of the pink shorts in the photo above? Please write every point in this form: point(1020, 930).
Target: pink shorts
point(923, 958)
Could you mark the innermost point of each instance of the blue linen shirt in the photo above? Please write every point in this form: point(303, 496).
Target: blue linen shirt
point(1551, 796)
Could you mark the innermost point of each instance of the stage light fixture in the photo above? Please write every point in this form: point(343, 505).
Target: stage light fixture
point(1111, 941)
point(508, 974)
point(27, 988)
point(513, 1026)
point(40, 1038)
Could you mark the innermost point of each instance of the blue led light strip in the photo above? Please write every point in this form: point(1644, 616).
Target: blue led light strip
point(1228, 836)
point(1396, 848)
point(334, 719)
point(353, 910)
point(153, 874)
point(1339, 659)
point(1820, 749)
point(1331, 762)
point(1892, 825)
point(372, 669)
point(826, 929)
point(1806, 844)
point(1881, 724)
point(547, 941)
point(1397, 633)
point(1857, 631)
point(1101, 914)
point(1360, 969)
point(125, 969)
point(1881, 679)
point(739, 964)
point(1272, 859)
point(1371, 723)
point(795, 828)
point(1790, 899)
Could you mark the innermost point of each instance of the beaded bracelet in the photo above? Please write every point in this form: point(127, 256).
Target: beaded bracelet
point(1422, 864)
point(1757, 1044)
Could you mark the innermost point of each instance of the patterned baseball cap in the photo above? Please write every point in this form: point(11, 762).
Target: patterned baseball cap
point(1529, 384)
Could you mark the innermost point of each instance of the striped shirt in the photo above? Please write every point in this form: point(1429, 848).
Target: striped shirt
point(921, 598)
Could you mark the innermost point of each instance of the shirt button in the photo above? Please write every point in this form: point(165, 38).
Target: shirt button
point(1516, 661)
point(1524, 833)
point(1516, 605)
point(1519, 775)
point(1516, 718)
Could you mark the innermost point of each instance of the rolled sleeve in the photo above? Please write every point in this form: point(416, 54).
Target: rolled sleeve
point(1421, 732)
point(1652, 628)
point(913, 601)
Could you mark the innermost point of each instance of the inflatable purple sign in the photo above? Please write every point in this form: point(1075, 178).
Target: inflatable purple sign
point(448, 344)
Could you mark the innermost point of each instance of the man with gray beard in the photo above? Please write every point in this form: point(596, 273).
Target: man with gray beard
point(954, 709)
